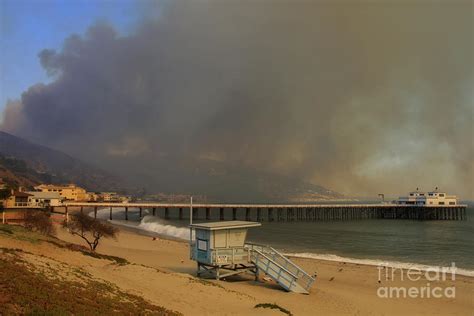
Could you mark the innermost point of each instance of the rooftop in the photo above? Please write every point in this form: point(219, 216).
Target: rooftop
point(225, 225)
point(20, 194)
point(57, 186)
point(45, 195)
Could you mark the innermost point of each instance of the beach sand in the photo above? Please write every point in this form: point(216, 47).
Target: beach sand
point(163, 274)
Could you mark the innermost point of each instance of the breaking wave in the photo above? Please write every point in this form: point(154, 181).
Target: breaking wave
point(153, 224)
point(161, 227)
point(375, 262)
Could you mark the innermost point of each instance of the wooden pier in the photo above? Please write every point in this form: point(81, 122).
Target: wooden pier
point(278, 212)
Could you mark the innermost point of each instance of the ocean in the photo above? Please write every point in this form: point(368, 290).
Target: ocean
point(397, 243)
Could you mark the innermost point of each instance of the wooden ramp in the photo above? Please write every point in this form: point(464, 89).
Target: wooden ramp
point(287, 274)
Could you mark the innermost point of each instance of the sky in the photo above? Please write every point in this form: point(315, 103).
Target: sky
point(28, 26)
point(362, 97)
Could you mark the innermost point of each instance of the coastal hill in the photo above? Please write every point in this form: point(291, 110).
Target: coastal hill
point(26, 164)
point(237, 183)
point(16, 173)
point(218, 181)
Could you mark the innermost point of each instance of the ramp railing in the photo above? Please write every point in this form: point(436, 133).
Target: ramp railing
point(302, 278)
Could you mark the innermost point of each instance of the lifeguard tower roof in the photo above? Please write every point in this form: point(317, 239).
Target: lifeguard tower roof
point(225, 225)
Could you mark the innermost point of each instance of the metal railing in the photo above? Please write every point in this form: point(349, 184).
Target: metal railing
point(28, 204)
point(302, 278)
point(275, 270)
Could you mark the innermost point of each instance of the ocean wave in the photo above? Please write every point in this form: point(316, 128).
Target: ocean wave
point(156, 225)
point(147, 223)
point(152, 224)
point(375, 262)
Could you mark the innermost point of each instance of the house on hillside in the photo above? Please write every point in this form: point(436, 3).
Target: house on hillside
point(44, 199)
point(69, 192)
point(17, 199)
point(109, 196)
point(92, 196)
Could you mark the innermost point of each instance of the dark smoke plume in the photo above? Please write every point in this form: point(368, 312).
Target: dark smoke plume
point(360, 97)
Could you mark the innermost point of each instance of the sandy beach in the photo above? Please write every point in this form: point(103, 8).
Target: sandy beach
point(162, 273)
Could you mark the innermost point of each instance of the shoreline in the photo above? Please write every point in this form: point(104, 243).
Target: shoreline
point(159, 270)
point(310, 255)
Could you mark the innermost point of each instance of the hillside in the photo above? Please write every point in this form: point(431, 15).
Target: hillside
point(35, 284)
point(15, 173)
point(221, 182)
point(26, 164)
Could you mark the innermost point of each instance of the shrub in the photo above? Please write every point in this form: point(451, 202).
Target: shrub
point(90, 229)
point(39, 221)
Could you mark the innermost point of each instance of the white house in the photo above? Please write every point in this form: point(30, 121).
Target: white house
point(44, 199)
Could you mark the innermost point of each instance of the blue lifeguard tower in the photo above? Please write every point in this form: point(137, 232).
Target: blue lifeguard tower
point(220, 250)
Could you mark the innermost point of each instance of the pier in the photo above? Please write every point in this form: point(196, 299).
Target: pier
point(276, 212)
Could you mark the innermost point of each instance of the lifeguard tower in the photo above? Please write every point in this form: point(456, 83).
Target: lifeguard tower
point(221, 246)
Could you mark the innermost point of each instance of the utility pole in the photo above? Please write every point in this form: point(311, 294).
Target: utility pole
point(190, 223)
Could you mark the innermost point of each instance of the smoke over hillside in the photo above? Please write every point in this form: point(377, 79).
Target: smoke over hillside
point(358, 97)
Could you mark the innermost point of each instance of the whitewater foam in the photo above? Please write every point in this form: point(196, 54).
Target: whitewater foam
point(152, 224)
point(375, 262)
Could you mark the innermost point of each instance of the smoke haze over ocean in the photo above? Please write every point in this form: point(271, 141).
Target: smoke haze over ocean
point(360, 97)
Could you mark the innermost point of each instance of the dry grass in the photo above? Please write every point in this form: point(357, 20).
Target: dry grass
point(38, 285)
point(20, 233)
point(27, 288)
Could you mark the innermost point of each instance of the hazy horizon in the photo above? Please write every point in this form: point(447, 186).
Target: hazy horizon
point(361, 98)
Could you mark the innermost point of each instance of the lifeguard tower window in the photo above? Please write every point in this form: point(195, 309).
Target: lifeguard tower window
point(202, 245)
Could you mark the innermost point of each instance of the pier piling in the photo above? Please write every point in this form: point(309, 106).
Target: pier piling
point(290, 213)
point(247, 214)
point(279, 214)
point(270, 214)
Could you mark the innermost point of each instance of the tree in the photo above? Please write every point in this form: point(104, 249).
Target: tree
point(90, 229)
point(39, 221)
point(5, 194)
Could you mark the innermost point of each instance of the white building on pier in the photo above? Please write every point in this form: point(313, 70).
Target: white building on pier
point(433, 198)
